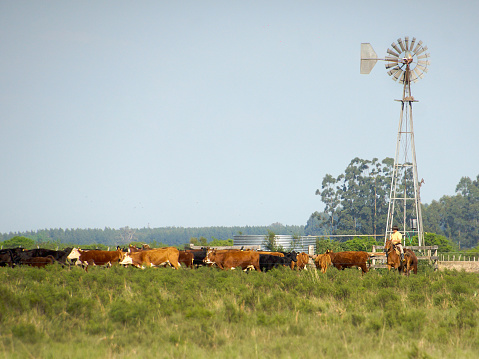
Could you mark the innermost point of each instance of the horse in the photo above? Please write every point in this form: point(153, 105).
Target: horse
point(393, 259)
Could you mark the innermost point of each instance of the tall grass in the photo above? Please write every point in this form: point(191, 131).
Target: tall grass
point(124, 312)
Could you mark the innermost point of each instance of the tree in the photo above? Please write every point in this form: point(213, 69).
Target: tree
point(325, 243)
point(270, 242)
point(360, 244)
point(18, 241)
point(356, 201)
point(127, 235)
point(317, 225)
point(456, 217)
point(220, 242)
point(433, 239)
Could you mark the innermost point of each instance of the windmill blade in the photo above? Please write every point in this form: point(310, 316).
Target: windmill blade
point(424, 56)
point(419, 74)
point(412, 43)
point(391, 64)
point(417, 46)
point(368, 58)
point(401, 44)
point(414, 77)
point(422, 62)
point(391, 52)
point(395, 47)
point(391, 59)
point(421, 67)
point(397, 74)
point(392, 71)
point(406, 41)
point(421, 50)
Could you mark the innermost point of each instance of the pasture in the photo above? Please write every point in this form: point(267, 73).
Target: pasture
point(208, 313)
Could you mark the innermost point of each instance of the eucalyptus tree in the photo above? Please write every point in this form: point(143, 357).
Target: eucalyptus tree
point(356, 200)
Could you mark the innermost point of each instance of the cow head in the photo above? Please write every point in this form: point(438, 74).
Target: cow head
point(121, 254)
point(210, 256)
point(74, 254)
point(294, 256)
point(126, 260)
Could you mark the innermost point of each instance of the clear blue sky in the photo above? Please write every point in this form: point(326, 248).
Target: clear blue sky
point(218, 113)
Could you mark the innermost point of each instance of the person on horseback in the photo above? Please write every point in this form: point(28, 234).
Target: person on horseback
point(396, 239)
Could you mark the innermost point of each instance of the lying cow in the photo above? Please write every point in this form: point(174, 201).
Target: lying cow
point(153, 258)
point(349, 259)
point(231, 259)
point(322, 261)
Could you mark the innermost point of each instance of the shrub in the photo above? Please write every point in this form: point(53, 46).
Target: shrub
point(26, 333)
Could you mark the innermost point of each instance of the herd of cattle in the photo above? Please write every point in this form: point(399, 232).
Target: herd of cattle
point(170, 256)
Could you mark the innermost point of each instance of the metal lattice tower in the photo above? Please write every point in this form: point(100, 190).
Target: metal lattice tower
point(407, 62)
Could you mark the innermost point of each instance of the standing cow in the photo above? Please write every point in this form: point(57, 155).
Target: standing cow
point(153, 258)
point(349, 259)
point(97, 258)
point(322, 261)
point(231, 259)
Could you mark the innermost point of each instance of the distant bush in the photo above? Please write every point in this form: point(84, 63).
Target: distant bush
point(18, 241)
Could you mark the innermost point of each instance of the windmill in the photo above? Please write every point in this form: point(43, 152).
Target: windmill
point(406, 62)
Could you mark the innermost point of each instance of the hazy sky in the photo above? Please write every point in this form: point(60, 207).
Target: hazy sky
point(218, 113)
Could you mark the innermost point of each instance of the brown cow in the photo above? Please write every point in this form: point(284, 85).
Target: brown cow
point(233, 259)
point(153, 258)
point(302, 259)
point(39, 262)
point(133, 249)
point(349, 259)
point(322, 261)
point(411, 262)
point(186, 258)
point(95, 257)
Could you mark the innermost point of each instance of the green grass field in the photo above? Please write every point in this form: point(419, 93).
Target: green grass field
point(207, 313)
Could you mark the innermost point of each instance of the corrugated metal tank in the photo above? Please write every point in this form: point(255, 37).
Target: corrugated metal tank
point(288, 242)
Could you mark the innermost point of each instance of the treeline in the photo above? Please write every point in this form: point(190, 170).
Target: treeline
point(173, 236)
point(356, 202)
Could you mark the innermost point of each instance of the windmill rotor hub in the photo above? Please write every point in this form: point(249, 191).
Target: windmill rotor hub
point(410, 53)
point(406, 60)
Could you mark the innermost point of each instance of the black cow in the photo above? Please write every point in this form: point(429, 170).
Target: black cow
point(21, 256)
point(198, 256)
point(269, 261)
point(291, 255)
point(6, 258)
